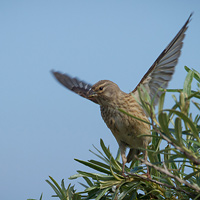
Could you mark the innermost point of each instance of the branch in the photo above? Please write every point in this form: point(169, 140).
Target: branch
point(165, 171)
point(187, 154)
point(163, 184)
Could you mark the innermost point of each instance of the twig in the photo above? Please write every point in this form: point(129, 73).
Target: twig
point(165, 171)
point(163, 184)
point(187, 154)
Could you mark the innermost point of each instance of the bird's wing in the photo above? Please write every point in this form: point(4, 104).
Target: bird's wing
point(74, 84)
point(160, 73)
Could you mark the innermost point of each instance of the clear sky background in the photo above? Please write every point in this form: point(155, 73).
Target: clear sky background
point(43, 126)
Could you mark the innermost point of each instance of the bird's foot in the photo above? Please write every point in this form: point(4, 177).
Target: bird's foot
point(124, 175)
point(147, 175)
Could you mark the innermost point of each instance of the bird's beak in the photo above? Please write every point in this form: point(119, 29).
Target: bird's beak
point(92, 93)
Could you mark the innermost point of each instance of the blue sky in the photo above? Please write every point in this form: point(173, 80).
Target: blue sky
point(43, 126)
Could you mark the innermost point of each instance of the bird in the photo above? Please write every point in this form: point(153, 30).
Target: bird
point(130, 132)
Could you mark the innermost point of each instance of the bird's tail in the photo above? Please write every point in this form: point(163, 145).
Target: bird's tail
point(132, 153)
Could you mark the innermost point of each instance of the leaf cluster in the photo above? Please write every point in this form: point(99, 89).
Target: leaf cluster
point(174, 156)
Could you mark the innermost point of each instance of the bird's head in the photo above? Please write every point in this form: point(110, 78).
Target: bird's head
point(105, 92)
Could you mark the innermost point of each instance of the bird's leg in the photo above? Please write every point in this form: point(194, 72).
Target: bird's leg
point(145, 158)
point(122, 147)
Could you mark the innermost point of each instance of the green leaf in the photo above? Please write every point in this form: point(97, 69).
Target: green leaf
point(187, 120)
point(187, 83)
point(161, 102)
point(118, 155)
point(100, 164)
point(102, 193)
point(36, 199)
point(163, 120)
point(196, 73)
point(75, 176)
point(170, 115)
point(109, 156)
point(69, 192)
point(56, 188)
point(194, 94)
point(167, 156)
point(114, 175)
point(92, 193)
point(134, 117)
point(128, 191)
point(93, 166)
point(96, 176)
point(194, 142)
point(114, 197)
point(89, 182)
point(101, 157)
point(63, 185)
point(41, 196)
point(84, 185)
point(94, 187)
point(76, 197)
point(197, 105)
point(105, 149)
point(197, 197)
point(192, 174)
point(178, 130)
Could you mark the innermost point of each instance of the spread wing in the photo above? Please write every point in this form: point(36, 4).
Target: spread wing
point(74, 84)
point(160, 73)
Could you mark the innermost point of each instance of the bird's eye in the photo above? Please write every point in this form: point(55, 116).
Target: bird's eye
point(100, 88)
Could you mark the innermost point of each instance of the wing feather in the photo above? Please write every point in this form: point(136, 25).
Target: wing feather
point(74, 84)
point(160, 73)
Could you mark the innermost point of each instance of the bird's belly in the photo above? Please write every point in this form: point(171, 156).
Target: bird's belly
point(126, 129)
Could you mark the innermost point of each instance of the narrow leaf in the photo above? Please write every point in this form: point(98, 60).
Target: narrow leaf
point(55, 189)
point(93, 166)
point(196, 73)
point(178, 130)
point(187, 120)
point(163, 120)
point(89, 182)
point(188, 82)
point(192, 174)
point(161, 102)
point(102, 193)
point(109, 155)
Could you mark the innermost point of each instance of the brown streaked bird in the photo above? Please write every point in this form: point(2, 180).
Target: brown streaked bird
point(110, 98)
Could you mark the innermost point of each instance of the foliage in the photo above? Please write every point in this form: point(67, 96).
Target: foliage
point(174, 157)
